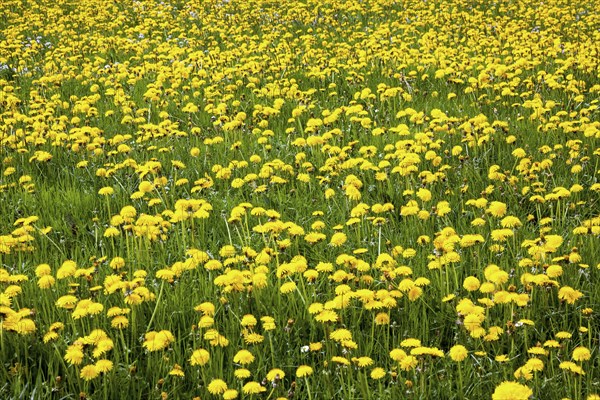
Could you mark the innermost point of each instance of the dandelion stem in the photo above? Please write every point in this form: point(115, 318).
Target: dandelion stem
point(308, 388)
point(160, 293)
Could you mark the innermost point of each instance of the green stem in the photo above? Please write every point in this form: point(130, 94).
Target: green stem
point(162, 285)
point(460, 382)
point(308, 388)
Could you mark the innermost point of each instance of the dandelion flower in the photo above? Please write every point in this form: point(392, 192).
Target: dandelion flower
point(242, 373)
point(89, 372)
point(338, 239)
point(377, 373)
point(363, 361)
point(199, 357)
point(509, 390)
point(104, 365)
point(581, 354)
point(253, 388)
point(458, 353)
point(497, 209)
point(275, 374)
point(243, 357)
point(304, 371)
point(74, 355)
point(287, 287)
point(217, 386)
point(408, 363)
point(230, 394)
point(471, 283)
point(340, 360)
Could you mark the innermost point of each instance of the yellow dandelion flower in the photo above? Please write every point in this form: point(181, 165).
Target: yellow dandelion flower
point(315, 346)
point(458, 353)
point(268, 323)
point(287, 287)
point(363, 361)
point(471, 283)
point(177, 371)
point(243, 357)
point(48, 337)
point(253, 388)
point(217, 386)
point(340, 360)
point(568, 294)
point(242, 373)
point(382, 319)
point(275, 374)
point(248, 321)
point(509, 390)
point(581, 354)
point(497, 209)
point(377, 373)
point(230, 394)
point(304, 371)
point(327, 316)
point(89, 372)
point(338, 239)
point(340, 335)
point(74, 355)
point(200, 357)
point(534, 364)
point(104, 366)
point(408, 363)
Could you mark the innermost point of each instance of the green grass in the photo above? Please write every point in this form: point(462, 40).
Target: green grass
point(437, 96)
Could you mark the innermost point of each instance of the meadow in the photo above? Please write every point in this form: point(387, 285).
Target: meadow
point(318, 199)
